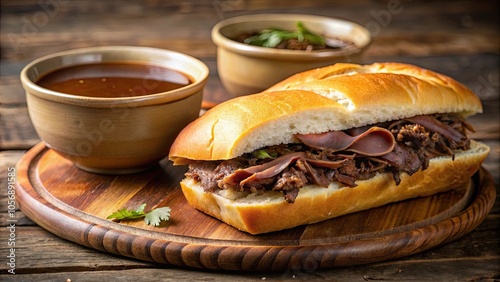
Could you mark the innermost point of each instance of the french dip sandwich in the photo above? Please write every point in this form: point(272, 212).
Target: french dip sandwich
point(328, 142)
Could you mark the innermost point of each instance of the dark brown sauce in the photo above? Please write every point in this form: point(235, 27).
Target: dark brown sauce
point(113, 80)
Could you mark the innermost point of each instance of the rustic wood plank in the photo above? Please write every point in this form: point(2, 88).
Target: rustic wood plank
point(394, 33)
point(466, 269)
point(16, 130)
point(8, 160)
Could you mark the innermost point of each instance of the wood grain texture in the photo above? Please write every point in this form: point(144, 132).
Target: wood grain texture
point(74, 205)
point(459, 39)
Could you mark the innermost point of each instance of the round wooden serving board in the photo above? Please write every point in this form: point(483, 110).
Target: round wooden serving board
point(74, 204)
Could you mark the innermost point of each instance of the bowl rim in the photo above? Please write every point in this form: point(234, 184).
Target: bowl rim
point(272, 53)
point(31, 88)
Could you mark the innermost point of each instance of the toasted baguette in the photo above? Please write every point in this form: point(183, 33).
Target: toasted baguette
point(332, 98)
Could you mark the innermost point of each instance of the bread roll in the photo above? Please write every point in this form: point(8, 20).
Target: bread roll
point(334, 98)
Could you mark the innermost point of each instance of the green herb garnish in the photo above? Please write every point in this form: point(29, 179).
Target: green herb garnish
point(153, 217)
point(263, 154)
point(309, 36)
point(272, 37)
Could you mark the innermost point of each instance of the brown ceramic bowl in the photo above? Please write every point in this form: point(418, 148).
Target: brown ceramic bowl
point(113, 135)
point(245, 69)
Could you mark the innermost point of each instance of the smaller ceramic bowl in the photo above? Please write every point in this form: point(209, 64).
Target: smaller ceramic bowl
point(114, 135)
point(246, 69)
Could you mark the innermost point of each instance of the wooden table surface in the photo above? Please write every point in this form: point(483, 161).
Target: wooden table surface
point(460, 39)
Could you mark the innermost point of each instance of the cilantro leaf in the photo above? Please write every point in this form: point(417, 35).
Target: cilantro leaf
point(128, 214)
point(153, 217)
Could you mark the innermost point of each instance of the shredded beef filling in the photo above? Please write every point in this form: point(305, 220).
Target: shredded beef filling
point(289, 167)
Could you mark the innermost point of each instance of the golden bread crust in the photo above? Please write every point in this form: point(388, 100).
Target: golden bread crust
point(337, 97)
point(226, 130)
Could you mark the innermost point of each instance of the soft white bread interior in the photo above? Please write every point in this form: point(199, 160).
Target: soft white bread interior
point(337, 97)
point(264, 213)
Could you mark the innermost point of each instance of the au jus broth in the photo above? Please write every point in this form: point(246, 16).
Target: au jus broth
point(110, 80)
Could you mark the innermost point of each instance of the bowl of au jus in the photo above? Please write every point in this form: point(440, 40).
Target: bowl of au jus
point(256, 51)
point(113, 109)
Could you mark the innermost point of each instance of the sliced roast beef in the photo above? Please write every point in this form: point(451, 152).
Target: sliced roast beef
point(205, 173)
point(403, 158)
point(374, 141)
point(433, 124)
point(394, 147)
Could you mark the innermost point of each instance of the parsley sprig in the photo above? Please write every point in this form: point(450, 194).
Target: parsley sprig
point(153, 217)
